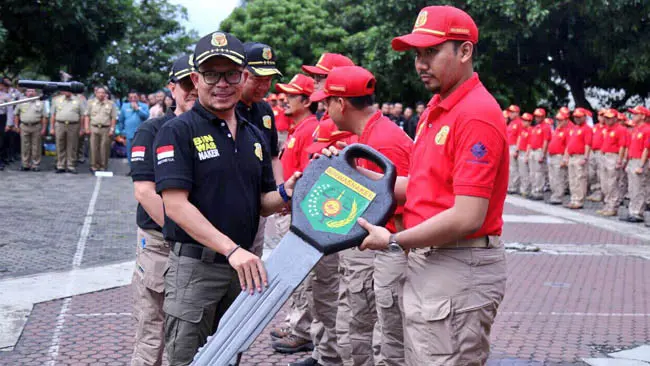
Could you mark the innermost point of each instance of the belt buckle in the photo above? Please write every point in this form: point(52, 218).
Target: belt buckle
point(66, 123)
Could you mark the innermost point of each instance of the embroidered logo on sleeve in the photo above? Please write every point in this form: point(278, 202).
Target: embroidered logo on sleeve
point(266, 120)
point(258, 151)
point(137, 153)
point(478, 152)
point(165, 154)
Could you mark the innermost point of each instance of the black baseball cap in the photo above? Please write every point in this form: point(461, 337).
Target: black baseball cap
point(219, 44)
point(182, 67)
point(260, 59)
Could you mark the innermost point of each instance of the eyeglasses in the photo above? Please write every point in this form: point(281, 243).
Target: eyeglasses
point(213, 77)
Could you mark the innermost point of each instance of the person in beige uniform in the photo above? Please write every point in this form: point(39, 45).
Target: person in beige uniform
point(67, 111)
point(31, 121)
point(100, 119)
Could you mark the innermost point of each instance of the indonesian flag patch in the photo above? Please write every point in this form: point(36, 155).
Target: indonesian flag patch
point(137, 153)
point(165, 152)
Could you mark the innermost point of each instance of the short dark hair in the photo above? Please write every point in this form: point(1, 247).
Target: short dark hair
point(133, 91)
point(362, 102)
point(313, 107)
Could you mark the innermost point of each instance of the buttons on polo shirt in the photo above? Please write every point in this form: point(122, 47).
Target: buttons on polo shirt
point(229, 135)
point(223, 124)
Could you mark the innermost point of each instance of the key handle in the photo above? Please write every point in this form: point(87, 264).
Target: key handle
point(332, 194)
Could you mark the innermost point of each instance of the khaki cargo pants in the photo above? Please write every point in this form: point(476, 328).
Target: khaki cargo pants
point(451, 298)
point(389, 276)
point(30, 143)
point(594, 174)
point(100, 147)
point(148, 294)
point(637, 184)
point(557, 175)
point(577, 179)
point(610, 183)
point(359, 305)
point(197, 294)
point(513, 180)
point(537, 172)
point(524, 174)
point(67, 141)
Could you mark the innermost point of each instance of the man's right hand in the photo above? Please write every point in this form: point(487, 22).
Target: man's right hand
point(250, 270)
point(52, 132)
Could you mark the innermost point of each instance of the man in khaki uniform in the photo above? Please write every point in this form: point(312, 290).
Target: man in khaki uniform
point(31, 121)
point(67, 111)
point(636, 157)
point(612, 169)
point(576, 157)
point(557, 167)
point(100, 119)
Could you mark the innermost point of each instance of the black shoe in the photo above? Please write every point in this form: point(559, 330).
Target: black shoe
point(36, 169)
point(59, 171)
point(129, 173)
point(632, 219)
point(555, 203)
point(25, 168)
point(536, 198)
point(72, 171)
point(307, 362)
point(81, 161)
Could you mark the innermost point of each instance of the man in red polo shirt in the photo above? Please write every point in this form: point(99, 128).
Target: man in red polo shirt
point(576, 157)
point(595, 159)
point(637, 175)
point(557, 167)
point(612, 169)
point(512, 131)
point(349, 96)
point(523, 159)
point(453, 198)
point(540, 135)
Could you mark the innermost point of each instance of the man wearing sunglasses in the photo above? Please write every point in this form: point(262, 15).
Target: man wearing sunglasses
point(151, 249)
point(260, 70)
point(213, 170)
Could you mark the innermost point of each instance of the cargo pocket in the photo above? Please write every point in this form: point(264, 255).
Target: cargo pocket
point(438, 336)
point(384, 297)
point(184, 311)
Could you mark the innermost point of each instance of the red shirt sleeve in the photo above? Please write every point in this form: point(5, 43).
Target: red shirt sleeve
point(547, 133)
point(478, 151)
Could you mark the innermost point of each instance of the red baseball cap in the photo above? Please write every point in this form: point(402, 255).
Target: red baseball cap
point(611, 113)
point(435, 25)
point(514, 108)
point(639, 110)
point(581, 112)
point(548, 121)
point(299, 85)
point(540, 112)
point(565, 110)
point(327, 135)
point(621, 116)
point(326, 63)
point(561, 116)
point(347, 82)
point(527, 117)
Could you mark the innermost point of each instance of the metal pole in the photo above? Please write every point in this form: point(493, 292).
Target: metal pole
point(19, 101)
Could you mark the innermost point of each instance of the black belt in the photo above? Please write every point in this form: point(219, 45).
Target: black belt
point(30, 123)
point(68, 122)
point(197, 251)
point(100, 126)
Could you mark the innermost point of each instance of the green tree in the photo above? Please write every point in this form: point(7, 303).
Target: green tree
point(49, 36)
point(140, 60)
point(298, 30)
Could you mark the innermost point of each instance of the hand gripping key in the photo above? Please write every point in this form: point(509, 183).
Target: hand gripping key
point(327, 201)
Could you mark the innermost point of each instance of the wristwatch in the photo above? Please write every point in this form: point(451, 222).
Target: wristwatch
point(393, 246)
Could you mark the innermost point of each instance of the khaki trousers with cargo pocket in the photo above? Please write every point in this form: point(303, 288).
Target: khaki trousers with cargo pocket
point(358, 268)
point(148, 294)
point(610, 184)
point(100, 147)
point(389, 276)
point(513, 180)
point(537, 172)
point(557, 175)
point(636, 188)
point(197, 294)
point(67, 141)
point(30, 143)
point(524, 174)
point(451, 298)
point(577, 179)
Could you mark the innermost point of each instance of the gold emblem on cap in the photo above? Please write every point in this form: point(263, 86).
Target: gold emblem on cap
point(422, 19)
point(267, 54)
point(190, 60)
point(219, 39)
point(441, 136)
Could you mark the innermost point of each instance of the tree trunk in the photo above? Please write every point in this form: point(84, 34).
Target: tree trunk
point(576, 84)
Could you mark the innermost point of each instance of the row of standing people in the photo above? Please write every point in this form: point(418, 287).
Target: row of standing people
point(602, 162)
point(206, 173)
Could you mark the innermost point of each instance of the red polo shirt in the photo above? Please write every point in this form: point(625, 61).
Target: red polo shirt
point(636, 143)
point(599, 134)
point(385, 136)
point(557, 146)
point(579, 138)
point(615, 138)
point(538, 135)
point(524, 138)
point(513, 130)
point(462, 150)
point(293, 155)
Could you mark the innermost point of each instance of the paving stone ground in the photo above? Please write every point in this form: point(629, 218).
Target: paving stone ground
point(558, 308)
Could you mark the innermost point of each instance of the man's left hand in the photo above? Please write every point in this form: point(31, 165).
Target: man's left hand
point(377, 238)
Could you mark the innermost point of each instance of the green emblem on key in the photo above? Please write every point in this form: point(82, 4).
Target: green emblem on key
point(335, 202)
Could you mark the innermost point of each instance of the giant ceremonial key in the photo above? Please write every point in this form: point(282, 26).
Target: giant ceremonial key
point(327, 201)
